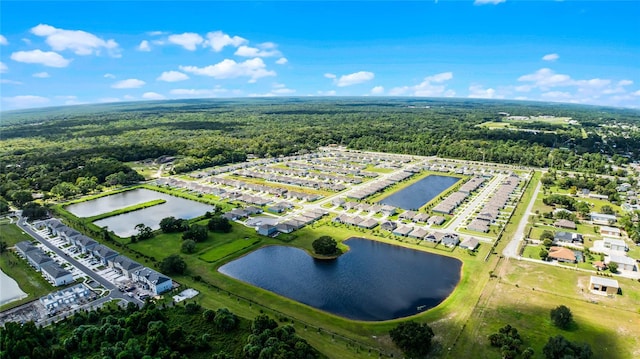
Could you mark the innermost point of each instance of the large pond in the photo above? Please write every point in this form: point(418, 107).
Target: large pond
point(419, 193)
point(123, 225)
point(373, 281)
point(10, 289)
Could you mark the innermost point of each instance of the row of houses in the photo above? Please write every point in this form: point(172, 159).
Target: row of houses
point(292, 224)
point(343, 168)
point(38, 259)
point(290, 180)
point(379, 185)
point(385, 209)
point(147, 277)
point(312, 172)
point(490, 211)
point(453, 200)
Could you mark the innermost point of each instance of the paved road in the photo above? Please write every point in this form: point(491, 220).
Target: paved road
point(511, 250)
point(469, 208)
point(113, 292)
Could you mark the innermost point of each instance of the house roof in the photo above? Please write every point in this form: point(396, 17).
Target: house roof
point(562, 253)
point(620, 259)
point(470, 243)
point(126, 263)
point(607, 282)
point(54, 270)
point(104, 251)
point(565, 223)
point(39, 257)
point(615, 242)
point(151, 275)
point(25, 246)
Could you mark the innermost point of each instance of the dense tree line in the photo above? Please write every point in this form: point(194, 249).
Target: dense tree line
point(183, 331)
point(77, 149)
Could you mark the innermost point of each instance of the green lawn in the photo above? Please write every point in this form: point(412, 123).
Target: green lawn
point(216, 253)
point(30, 281)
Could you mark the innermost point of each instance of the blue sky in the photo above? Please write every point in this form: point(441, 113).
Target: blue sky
point(61, 52)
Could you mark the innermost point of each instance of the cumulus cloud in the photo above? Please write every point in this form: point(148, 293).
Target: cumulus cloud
point(546, 78)
point(10, 82)
point(282, 61)
point(156, 33)
point(172, 76)
point(227, 69)
point(214, 92)
point(188, 40)
point(128, 84)
point(431, 86)
point(46, 58)
point(354, 78)
point(218, 40)
point(3, 67)
point(477, 91)
point(25, 101)
point(80, 42)
point(267, 49)
point(152, 96)
point(488, 2)
point(3, 40)
point(378, 90)
point(41, 75)
point(550, 57)
point(109, 76)
point(144, 46)
point(625, 83)
point(330, 75)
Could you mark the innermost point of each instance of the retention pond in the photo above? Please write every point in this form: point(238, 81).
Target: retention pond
point(374, 281)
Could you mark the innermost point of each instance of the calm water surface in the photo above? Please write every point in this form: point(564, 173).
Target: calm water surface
point(421, 192)
point(123, 225)
point(373, 281)
point(9, 289)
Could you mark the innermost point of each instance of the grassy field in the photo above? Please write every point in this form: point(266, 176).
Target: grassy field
point(216, 253)
point(30, 281)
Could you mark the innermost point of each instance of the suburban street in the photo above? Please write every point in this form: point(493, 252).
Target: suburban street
point(511, 250)
point(113, 294)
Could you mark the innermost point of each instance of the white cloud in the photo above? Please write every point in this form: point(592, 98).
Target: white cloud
point(327, 93)
point(217, 40)
point(144, 46)
point(477, 91)
point(227, 69)
point(378, 90)
point(637, 93)
point(172, 76)
point(152, 96)
point(485, 2)
point(557, 96)
point(354, 78)
point(550, 57)
point(80, 42)
point(431, 86)
point(199, 92)
point(109, 99)
point(3, 40)
point(156, 33)
point(46, 58)
point(10, 82)
point(128, 84)
point(266, 49)
point(3, 67)
point(282, 61)
point(109, 76)
point(188, 40)
point(625, 82)
point(41, 75)
point(24, 101)
point(330, 75)
point(546, 78)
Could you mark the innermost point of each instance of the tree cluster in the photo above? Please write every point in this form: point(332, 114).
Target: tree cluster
point(561, 317)
point(325, 246)
point(560, 348)
point(269, 341)
point(414, 339)
point(510, 343)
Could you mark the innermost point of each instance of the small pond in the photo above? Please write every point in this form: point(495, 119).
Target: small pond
point(123, 225)
point(419, 193)
point(10, 289)
point(372, 282)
